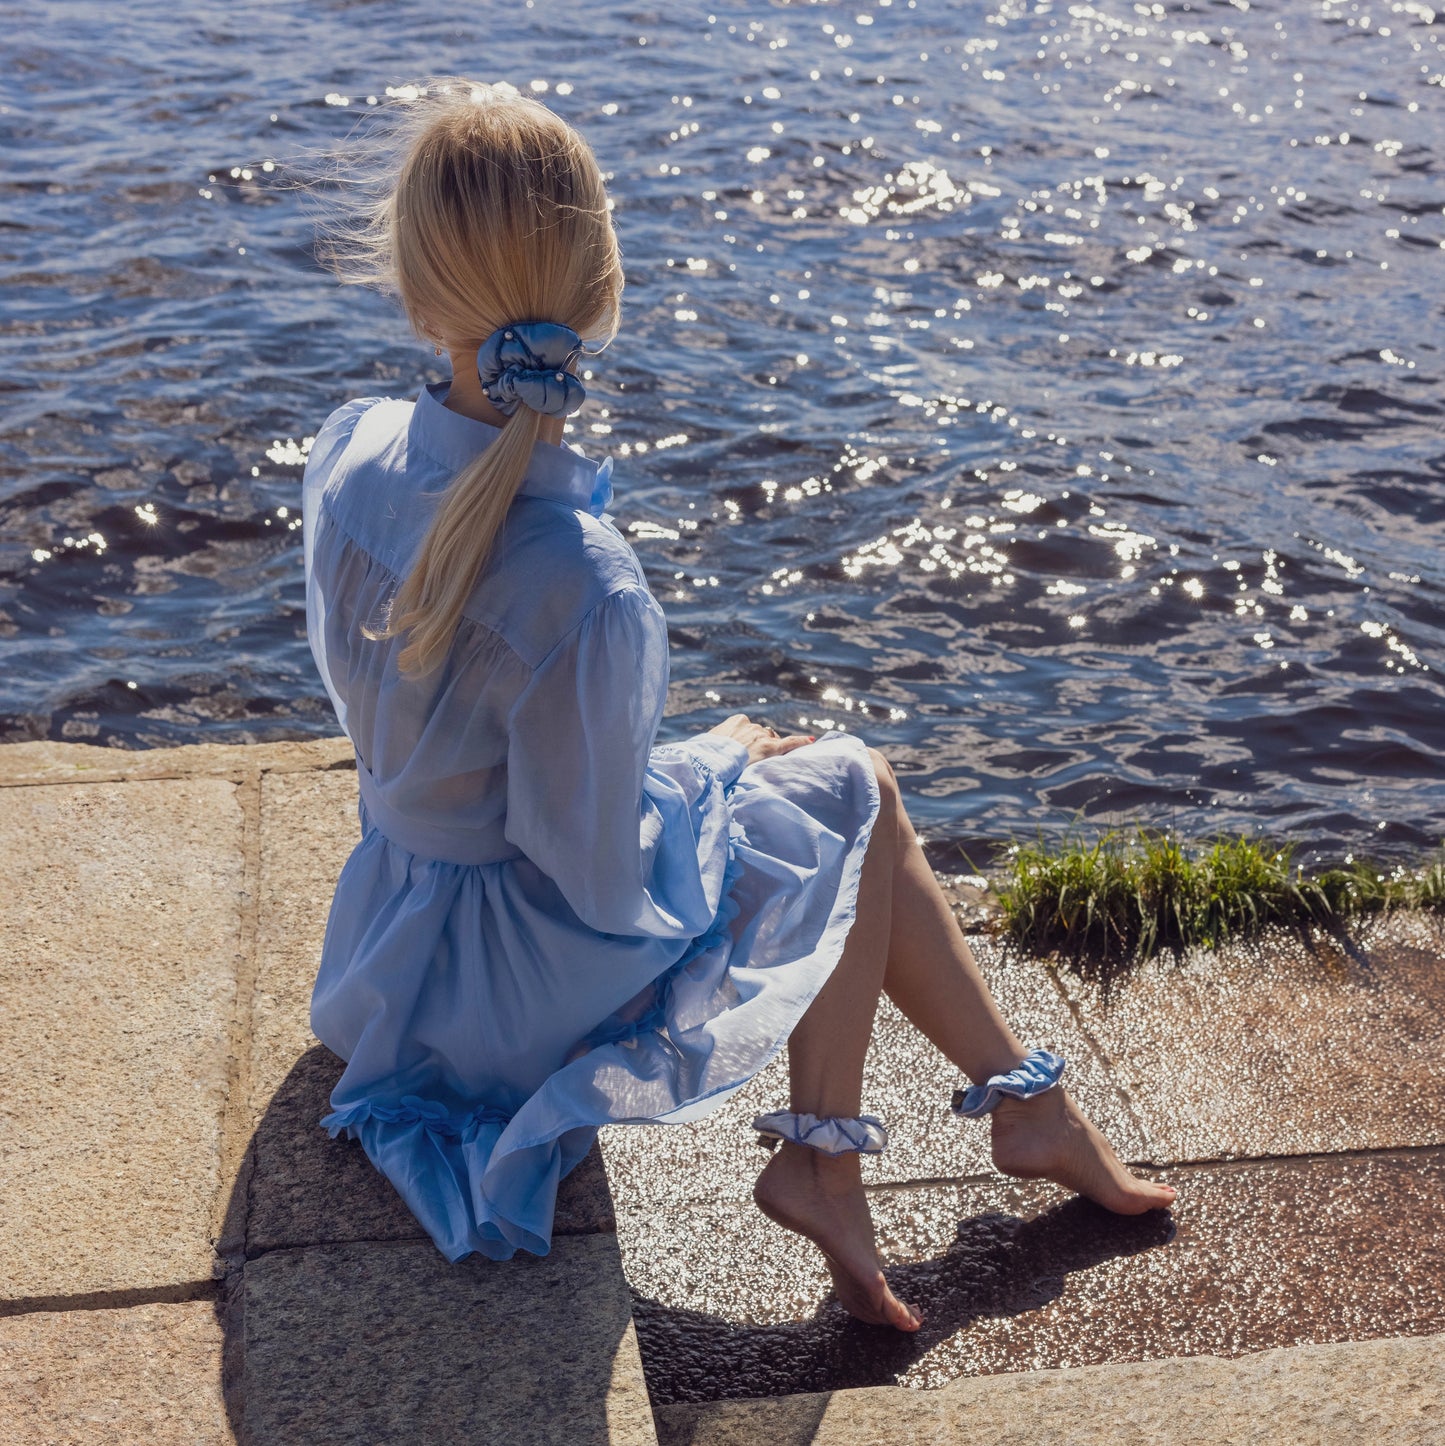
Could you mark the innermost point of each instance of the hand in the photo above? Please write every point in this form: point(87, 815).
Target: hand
point(760, 740)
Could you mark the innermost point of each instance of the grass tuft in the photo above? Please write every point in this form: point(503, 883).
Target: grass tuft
point(1123, 898)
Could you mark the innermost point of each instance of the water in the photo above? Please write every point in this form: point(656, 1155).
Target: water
point(1050, 394)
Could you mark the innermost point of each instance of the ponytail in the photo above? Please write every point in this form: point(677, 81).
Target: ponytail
point(463, 531)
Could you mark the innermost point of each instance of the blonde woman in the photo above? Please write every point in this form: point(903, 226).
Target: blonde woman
point(551, 921)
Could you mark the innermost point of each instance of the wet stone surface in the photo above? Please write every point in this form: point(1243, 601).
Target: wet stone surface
point(1269, 1049)
point(907, 1084)
point(1018, 1277)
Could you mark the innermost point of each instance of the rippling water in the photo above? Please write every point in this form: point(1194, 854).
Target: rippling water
point(1050, 393)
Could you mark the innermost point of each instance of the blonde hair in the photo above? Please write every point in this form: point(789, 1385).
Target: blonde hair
point(482, 208)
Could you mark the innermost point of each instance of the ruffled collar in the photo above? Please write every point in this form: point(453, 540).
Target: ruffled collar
point(557, 473)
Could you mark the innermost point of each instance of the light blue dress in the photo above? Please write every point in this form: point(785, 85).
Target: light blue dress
point(550, 922)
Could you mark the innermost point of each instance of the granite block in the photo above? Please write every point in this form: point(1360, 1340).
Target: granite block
point(118, 968)
point(147, 1373)
point(1016, 1276)
point(1271, 1048)
point(388, 1342)
point(1329, 1395)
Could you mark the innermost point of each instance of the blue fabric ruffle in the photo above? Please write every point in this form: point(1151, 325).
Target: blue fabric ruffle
point(831, 1134)
point(415, 1111)
point(654, 1021)
point(470, 1176)
point(1040, 1071)
point(443, 1164)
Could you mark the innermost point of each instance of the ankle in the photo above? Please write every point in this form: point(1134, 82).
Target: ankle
point(1037, 1109)
point(827, 1174)
point(1006, 1057)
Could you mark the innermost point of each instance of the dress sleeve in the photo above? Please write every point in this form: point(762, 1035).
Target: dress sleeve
point(326, 449)
point(635, 837)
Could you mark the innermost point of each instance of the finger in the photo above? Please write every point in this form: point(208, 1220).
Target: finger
point(793, 741)
point(738, 720)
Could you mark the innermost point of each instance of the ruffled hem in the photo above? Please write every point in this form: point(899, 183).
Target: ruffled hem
point(468, 1194)
point(486, 1180)
point(412, 1110)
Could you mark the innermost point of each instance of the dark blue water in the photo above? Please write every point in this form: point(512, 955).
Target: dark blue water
point(1053, 395)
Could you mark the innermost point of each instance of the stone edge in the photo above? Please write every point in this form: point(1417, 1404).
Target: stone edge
point(1388, 1367)
point(46, 761)
point(42, 762)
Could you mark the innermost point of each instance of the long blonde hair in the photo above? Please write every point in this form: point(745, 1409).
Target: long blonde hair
point(486, 208)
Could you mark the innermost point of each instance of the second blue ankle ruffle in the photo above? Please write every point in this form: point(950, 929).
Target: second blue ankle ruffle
point(1039, 1072)
point(831, 1134)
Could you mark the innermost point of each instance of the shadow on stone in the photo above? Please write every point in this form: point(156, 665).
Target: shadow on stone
point(999, 1265)
point(343, 1322)
point(791, 1421)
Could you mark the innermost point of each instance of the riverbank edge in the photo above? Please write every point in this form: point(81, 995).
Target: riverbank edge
point(1097, 904)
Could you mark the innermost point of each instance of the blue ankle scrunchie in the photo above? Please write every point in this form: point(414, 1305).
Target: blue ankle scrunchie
point(1039, 1072)
point(829, 1134)
point(525, 362)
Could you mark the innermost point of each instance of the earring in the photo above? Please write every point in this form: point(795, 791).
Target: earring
point(439, 351)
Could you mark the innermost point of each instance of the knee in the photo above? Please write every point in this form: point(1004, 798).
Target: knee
point(888, 794)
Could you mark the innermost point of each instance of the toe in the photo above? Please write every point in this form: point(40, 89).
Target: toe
point(902, 1317)
point(1144, 1195)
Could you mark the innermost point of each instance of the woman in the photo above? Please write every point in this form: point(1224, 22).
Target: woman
point(551, 922)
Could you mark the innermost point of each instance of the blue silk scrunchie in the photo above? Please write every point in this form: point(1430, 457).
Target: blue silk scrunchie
point(525, 362)
point(1038, 1074)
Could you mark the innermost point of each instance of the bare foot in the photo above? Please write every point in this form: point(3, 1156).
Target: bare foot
point(822, 1197)
point(1048, 1138)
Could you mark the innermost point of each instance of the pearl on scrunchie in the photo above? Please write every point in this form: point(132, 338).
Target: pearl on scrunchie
point(525, 363)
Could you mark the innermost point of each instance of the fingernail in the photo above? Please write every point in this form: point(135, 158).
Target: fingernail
point(811, 739)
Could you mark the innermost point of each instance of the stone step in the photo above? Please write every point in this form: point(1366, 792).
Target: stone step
point(389, 1343)
point(1330, 1395)
point(1016, 1276)
point(185, 1255)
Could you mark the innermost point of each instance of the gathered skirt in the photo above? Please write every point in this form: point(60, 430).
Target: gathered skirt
point(487, 1041)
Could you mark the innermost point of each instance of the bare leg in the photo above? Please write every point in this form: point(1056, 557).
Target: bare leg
point(820, 1196)
point(933, 978)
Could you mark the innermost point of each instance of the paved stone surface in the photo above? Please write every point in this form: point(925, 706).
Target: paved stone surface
point(306, 1188)
point(118, 964)
point(148, 1373)
point(907, 1084)
point(389, 1343)
point(308, 828)
point(1264, 1049)
point(1015, 1277)
point(1331, 1395)
point(44, 761)
point(129, 929)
